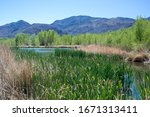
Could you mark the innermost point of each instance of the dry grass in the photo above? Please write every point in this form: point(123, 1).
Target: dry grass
point(138, 57)
point(15, 77)
point(102, 49)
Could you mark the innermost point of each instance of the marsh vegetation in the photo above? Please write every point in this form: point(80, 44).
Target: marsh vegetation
point(70, 74)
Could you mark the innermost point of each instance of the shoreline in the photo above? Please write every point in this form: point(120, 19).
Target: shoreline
point(96, 49)
point(54, 46)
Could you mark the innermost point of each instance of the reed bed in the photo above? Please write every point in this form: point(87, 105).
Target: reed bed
point(76, 75)
point(70, 74)
point(102, 49)
point(15, 76)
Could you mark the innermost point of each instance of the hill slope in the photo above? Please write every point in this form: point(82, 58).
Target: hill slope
point(86, 24)
point(10, 30)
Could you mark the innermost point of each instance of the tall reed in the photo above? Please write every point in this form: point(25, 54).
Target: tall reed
point(15, 76)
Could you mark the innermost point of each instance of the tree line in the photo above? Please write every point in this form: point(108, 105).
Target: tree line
point(130, 38)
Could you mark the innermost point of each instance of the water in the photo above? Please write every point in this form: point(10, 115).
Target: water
point(139, 69)
point(44, 50)
point(134, 92)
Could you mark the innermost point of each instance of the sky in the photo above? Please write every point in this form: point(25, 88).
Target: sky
point(47, 11)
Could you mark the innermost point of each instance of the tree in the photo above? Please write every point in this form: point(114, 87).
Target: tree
point(42, 40)
point(139, 30)
point(66, 39)
point(17, 41)
point(50, 37)
point(47, 37)
point(32, 38)
point(22, 39)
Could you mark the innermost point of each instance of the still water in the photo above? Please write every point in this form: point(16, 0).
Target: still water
point(44, 50)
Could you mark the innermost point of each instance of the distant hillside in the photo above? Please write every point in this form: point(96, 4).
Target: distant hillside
point(86, 24)
point(72, 25)
point(10, 30)
point(36, 28)
point(148, 18)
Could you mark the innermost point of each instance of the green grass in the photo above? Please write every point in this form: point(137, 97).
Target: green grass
point(69, 74)
point(7, 41)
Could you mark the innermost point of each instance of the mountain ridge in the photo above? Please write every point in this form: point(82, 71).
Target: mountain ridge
point(86, 24)
point(72, 25)
point(21, 26)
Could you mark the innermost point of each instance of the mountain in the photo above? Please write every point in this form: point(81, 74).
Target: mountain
point(86, 24)
point(10, 30)
point(72, 25)
point(36, 28)
point(148, 18)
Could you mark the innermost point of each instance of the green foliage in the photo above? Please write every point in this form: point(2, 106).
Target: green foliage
point(32, 39)
point(69, 74)
point(42, 37)
point(22, 39)
point(139, 31)
point(17, 41)
point(47, 37)
point(69, 53)
point(67, 39)
point(8, 42)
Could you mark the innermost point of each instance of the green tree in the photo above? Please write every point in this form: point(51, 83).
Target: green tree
point(32, 38)
point(42, 39)
point(22, 39)
point(139, 29)
point(50, 37)
point(47, 37)
point(17, 41)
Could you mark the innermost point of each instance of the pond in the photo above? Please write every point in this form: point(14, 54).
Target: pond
point(44, 50)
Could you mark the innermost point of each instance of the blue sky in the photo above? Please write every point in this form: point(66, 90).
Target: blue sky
point(47, 11)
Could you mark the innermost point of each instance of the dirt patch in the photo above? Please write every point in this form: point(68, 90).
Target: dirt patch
point(102, 49)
